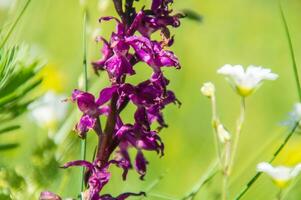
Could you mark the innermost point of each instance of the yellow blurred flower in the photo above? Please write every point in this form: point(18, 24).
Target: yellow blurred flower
point(53, 78)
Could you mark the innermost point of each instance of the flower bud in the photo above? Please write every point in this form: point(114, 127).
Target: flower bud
point(223, 134)
point(208, 89)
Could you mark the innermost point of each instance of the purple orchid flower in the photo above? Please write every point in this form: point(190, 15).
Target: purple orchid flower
point(131, 43)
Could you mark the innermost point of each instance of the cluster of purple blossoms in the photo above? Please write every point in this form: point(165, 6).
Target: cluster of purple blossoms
point(130, 44)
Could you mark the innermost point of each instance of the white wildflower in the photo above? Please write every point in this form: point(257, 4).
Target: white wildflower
point(6, 4)
point(294, 116)
point(246, 81)
point(208, 89)
point(223, 134)
point(281, 175)
point(48, 110)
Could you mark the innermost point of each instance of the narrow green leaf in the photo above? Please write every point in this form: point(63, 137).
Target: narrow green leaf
point(4, 147)
point(291, 50)
point(20, 93)
point(18, 79)
point(192, 15)
point(9, 128)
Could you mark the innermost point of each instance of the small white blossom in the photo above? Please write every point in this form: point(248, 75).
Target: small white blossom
point(223, 134)
point(294, 116)
point(6, 4)
point(48, 110)
point(281, 175)
point(208, 89)
point(246, 81)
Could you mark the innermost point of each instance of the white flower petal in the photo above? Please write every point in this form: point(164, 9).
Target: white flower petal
point(245, 81)
point(279, 173)
point(48, 109)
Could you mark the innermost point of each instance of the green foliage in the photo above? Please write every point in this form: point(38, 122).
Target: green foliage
point(44, 163)
point(18, 77)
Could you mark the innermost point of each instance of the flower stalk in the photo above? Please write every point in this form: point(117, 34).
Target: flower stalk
point(85, 70)
point(239, 126)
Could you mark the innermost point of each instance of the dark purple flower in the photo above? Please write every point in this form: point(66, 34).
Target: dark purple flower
point(84, 125)
point(98, 177)
point(123, 159)
point(140, 164)
point(86, 103)
point(141, 138)
point(153, 53)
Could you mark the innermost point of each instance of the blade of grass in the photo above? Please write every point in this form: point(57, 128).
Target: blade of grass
point(14, 24)
point(292, 54)
point(211, 172)
point(152, 185)
point(84, 141)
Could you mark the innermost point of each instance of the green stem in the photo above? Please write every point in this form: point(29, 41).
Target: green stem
point(280, 195)
point(291, 51)
point(152, 185)
point(14, 24)
point(211, 172)
point(258, 174)
point(226, 174)
point(215, 123)
point(84, 141)
point(238, 133)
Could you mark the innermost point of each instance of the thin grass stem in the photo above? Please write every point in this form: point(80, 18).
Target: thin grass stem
point(292, 54)
point(84, 141)
point(211, 172)
point(6, 37)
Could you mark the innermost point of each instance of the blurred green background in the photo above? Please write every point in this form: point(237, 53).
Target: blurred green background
point(234, 31)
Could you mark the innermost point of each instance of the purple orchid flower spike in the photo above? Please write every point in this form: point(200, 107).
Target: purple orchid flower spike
point(131, 43)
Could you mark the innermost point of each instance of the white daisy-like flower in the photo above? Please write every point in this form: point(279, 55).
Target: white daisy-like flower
point(208, 89)
point(281, 175)
point(246, 81)
point(48, 110)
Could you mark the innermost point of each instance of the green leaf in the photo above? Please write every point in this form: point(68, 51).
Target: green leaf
point(192, 15)
point(4, 147)
point(9, 128)
point(19, 93)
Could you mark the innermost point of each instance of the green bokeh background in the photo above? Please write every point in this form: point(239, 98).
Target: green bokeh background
point(235, 32)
